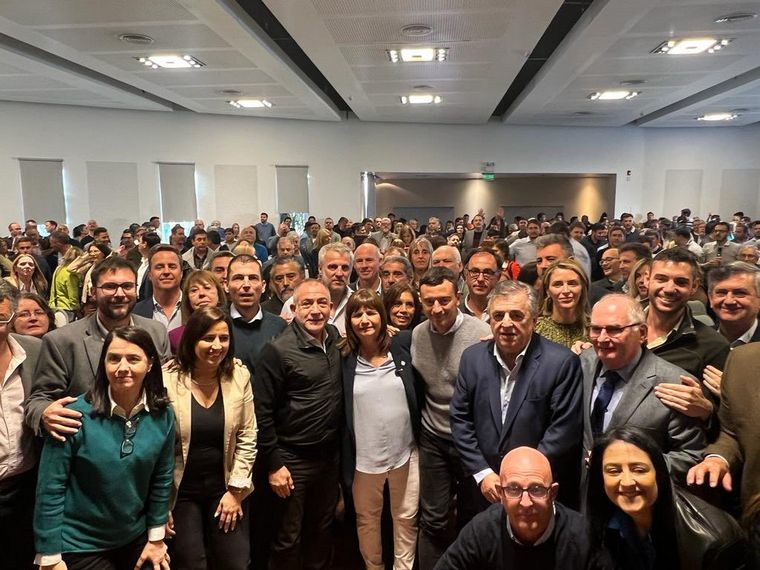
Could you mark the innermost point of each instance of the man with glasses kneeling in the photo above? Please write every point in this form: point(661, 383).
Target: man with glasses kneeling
point(528, 529)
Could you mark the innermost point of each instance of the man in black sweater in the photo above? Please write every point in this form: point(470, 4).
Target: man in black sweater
point(299, 395)
point(528, 529)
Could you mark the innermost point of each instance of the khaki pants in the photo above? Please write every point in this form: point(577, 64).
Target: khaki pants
point(404, 488)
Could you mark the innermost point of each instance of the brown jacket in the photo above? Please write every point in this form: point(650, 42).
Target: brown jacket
point(739, 439)
point(239, 427)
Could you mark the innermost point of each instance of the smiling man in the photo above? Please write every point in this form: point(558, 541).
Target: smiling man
point(527, 527)
point(537, 404)
point(299, 411)
point(367, 259)
point(626, 384)
point(69, 356)
point(165, 274)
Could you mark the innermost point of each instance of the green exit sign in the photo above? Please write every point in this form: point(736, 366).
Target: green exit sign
point(488, 176)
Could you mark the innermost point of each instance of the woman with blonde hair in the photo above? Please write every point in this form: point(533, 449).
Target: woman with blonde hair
point(564, 304)
point(215, 446)
point(64, 291)
point(27, 277)
point(421, 256)
point(638, 281)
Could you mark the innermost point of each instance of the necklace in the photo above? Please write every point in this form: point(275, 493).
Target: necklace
point(215, 382)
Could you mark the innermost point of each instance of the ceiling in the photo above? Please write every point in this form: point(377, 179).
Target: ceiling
point(527, 62)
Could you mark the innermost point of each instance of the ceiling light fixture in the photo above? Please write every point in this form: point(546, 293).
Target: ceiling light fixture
point(250, 104)
point(613, 95)
point(170, 61)
point(712, 117)
point(420, 99)
point(691, 46)
point(139, 39)
point(735, 18)
point(410, 55)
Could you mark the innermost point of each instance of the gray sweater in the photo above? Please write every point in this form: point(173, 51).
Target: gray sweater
point(436, 357)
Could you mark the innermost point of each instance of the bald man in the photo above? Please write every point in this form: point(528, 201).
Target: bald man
point(528, 529)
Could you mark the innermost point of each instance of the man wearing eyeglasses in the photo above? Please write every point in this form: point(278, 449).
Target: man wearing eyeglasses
point(621, 380)
point(69, 356)
point(481, 274)
point(517, 389)
point(18, 454)
point(526, 527)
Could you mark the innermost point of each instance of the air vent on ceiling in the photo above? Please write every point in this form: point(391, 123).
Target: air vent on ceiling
point(632, 82)
point(229, 92)
point(735, 18)
point(139, 39)
point(416, 30)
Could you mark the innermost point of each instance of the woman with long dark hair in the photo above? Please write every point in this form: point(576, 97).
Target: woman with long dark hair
point(402, 306)
point(380, 445)
point(644, 521)
point(216, 446)
point(103, 493)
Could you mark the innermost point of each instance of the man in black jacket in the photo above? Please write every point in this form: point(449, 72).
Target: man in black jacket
point(299, 410)
point(528, 529)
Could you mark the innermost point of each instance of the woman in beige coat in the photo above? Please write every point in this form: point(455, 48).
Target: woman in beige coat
point(216, 446)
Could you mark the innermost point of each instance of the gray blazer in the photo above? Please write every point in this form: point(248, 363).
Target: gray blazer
point(68, 361)
point(680, 437)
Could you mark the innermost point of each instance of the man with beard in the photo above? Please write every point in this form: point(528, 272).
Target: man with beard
point(69, 356)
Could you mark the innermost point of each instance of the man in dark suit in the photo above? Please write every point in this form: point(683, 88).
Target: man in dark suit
point(69, 356)
point(165, 273)
point(623, 385)
point(18, 452)
point(518, 389)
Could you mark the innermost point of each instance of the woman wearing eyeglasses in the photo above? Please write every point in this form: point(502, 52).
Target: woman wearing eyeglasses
point(380, 446)
point(103, 492)
point(216, 446)
point(33, 316)
point(644, 520)
point(564, 304)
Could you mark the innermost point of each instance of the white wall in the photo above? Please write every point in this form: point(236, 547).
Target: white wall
point(336, 153)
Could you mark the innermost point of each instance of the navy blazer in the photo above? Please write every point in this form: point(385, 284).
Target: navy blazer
point(544, 411)
point(144, 308)
point(400, 349)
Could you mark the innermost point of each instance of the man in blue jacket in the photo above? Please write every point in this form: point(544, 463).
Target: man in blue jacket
point(518, 389)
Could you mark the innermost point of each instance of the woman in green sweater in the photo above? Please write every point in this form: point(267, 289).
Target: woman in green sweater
point(564, 304)
point(103, 493)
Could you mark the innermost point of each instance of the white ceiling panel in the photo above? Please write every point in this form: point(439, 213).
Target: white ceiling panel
point(37, 13)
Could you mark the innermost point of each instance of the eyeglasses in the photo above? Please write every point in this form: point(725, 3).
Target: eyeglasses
point(39, 313)
point(130, 428)
point(612, 331)
point(487, 273)
point(7, 320)
point(536, 491)
point(112, 288)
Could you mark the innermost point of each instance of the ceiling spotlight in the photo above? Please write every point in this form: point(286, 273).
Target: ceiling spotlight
point(139, 39)
point(613, 95)
point(409, 55)
point(170, 61)
point(735, 18)
point(725, 116)
point(416, 30)
point(691, 46)
point(420, 99)
point(250, 104)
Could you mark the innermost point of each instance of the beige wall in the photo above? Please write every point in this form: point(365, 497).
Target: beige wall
point(576, 195)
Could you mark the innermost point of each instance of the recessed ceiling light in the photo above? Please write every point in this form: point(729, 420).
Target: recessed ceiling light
point(735, 18)
point(170, 61)
point(632, 82)
point(725, 116)
point(250, 104)
point(416, 30)
point(139, 39)
point(425, 54)
point(613, 95)
point(692, 46)
point(421, 99)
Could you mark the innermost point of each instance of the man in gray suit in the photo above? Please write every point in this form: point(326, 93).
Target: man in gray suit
point(69, 356)
point(619, 380)
point(384, 236)
point(18, 453)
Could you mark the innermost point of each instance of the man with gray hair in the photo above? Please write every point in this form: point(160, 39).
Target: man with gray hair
point(749, 254)
point(395, 269)
point(538, 402)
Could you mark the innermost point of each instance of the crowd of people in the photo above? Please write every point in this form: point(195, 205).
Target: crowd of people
point(537, 393)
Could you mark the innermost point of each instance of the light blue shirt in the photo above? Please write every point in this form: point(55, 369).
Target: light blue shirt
point(625, 373)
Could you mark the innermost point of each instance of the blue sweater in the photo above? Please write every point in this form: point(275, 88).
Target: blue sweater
point(89, 498)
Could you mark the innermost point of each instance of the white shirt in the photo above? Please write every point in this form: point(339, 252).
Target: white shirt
point(457, 323)
point(172, 322)
point(235, 314)
point(746, 338)
point(17, 454)
point(508, 378)
point(625, 373)
point(144, 265)
point(337, 319)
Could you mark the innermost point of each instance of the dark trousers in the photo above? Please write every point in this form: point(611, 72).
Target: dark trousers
point(442, 477)
point(753, 537)
point(16, 511)
point(122, 558)
point(200, 543)
point(302, 539)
